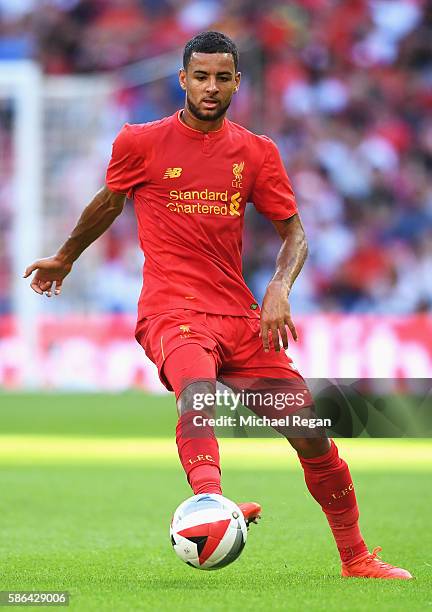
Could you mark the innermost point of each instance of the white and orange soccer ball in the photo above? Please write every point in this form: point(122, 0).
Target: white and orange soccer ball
point(208, 531)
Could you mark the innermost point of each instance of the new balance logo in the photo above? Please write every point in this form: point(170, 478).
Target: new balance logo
point(172, 173)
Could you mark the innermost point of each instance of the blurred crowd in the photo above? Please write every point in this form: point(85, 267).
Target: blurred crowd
point(344, 89)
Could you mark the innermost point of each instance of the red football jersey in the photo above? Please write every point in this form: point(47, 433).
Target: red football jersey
point(190, 191)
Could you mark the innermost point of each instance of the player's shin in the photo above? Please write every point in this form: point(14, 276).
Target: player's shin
point(329, 482)
point(198, 450)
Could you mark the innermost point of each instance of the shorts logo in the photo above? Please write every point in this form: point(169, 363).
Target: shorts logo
point(184, 331)
point(172, 173)
point(238, 174)
point(235, 204)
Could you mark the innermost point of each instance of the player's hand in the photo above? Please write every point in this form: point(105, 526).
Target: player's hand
point(276, 317)
point(49, 271)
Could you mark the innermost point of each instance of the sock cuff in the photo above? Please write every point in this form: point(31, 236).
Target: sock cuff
point(211, 464)
point(331, 455)
point(345, 517)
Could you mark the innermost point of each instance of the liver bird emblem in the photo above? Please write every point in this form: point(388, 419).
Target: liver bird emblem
point(237, 171)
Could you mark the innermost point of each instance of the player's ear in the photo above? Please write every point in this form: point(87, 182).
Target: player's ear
point(182, 78)
point(237, 79)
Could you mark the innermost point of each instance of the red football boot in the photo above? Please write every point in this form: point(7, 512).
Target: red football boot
point(371, 566)
point(251, 512)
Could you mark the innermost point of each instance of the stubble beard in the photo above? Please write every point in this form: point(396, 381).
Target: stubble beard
point(206, 117)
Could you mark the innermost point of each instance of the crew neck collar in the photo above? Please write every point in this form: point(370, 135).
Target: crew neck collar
point(198, 134)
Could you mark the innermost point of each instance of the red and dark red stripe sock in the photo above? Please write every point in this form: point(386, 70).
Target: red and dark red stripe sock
point(329, 482)
point(199, 454)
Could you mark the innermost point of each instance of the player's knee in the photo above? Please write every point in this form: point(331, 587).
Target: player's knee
point(198, 396)
point(310, 447)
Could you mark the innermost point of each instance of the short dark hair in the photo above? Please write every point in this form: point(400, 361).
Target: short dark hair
point(210, 42)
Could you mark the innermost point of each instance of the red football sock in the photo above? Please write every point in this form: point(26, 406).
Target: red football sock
point(329, 482)
point(199, 454)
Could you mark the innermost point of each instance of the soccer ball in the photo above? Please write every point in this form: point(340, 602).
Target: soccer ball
point(208, 531)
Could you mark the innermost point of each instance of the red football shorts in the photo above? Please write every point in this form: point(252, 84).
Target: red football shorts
point(187, 346)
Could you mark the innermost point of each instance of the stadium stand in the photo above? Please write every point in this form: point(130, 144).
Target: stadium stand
point(344, 88)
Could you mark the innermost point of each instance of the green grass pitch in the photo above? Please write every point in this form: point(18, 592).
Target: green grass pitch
point(89, 483)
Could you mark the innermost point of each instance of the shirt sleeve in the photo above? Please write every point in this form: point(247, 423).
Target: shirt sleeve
point(272, 193)
point(126, 167)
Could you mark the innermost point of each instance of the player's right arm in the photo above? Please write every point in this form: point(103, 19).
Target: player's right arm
point(94, 221)
point(126, 169)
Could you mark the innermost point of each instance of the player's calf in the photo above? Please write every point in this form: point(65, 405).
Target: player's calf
point(197, 396)
point(311, 447)
point(196, 442)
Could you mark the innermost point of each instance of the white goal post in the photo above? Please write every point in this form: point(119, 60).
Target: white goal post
point(21, 83)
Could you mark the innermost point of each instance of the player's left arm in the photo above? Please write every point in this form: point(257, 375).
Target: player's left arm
point(275, 312)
